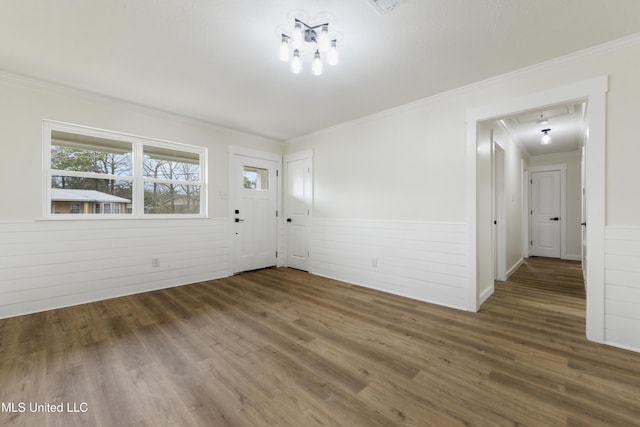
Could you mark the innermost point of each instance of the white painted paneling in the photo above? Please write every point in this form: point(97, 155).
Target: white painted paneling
point(55, 263)
point(622, 293)
point(424, 261)
point(49, 264)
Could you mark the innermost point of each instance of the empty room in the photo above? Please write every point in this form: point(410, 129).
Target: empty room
point(319, 213)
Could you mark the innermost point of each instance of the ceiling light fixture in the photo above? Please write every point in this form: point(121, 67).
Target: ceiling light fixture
point(545, 137)
point(316, 38)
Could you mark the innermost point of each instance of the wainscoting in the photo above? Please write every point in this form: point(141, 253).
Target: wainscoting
point(622, 287)
point(48, 264)
point(424, 261)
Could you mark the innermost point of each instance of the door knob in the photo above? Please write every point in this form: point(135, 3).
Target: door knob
point(239, 220)
point(555, 218)
point(289, 220)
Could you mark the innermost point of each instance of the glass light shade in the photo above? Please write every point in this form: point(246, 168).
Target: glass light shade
point(297, 36)
point(284, 50)
point(333, 57)
point(317, 68)
point(324, 42)
point(546, 139)
point(296, 63)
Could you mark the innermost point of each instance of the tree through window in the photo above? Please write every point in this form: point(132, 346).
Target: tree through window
point(102, 173)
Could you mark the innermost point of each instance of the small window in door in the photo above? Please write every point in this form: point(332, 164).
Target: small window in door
point(255, 178)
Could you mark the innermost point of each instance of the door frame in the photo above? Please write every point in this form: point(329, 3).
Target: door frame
point(234, 150)
point(594, 92)
point(562, 167)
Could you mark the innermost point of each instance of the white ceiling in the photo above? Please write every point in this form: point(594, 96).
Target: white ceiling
point(217, 60)
point(565, 122)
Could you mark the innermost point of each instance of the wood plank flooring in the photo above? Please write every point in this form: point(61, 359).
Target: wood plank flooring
point(280, 347)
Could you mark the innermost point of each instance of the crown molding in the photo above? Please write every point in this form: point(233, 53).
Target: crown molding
point(590, 52)
point(19, 80)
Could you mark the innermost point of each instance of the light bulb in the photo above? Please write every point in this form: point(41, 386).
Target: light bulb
point(297, 35)
point(317, 68)
point(296, 62)
point(332, 56)
point(284, 49)
point(546, 138)
point(324, 42)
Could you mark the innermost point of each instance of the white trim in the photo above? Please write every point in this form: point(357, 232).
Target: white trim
point(590, 52)
point(562, 167)
point(514, 267)
point(525, 209)
point(122, 104)
point(486, 294)
point(595, 215)
point(299, 155)
point(594, 91)
point(252, 152)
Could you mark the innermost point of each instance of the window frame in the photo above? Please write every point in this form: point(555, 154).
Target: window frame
point(137, 177)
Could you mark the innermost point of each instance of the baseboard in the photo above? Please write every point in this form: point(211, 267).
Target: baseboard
point(572, 257)
point(514, 267)
point(485, 295)
point(622, 346)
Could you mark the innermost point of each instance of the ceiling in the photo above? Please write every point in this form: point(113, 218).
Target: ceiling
point(217, 60)
point(566, 124)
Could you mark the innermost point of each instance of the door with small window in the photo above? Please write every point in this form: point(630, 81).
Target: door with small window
point(254, 213)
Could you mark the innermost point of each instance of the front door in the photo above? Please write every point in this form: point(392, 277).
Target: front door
point(545, 213)
point(254, 220)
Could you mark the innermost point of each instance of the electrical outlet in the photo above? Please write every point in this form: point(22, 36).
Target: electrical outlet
point(155, 262)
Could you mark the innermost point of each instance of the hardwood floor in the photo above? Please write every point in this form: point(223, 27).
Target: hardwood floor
point(282, 347)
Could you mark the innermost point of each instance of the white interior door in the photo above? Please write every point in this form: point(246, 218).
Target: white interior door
point(298, 209)
point(255, 206)
point(545, 213)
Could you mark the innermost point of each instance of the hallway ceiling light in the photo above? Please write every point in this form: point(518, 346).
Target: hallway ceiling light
point(315, 41)
point(546, 138)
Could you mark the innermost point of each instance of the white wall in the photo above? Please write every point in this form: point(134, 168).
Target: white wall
point(573, 200)
point(53, 263)
point(408, 164)
point(390, 176)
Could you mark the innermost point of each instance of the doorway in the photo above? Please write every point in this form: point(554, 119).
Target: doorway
point(593, 92)
point(254, 183)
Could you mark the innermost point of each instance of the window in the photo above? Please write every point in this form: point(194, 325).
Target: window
point(98, 174)
point(171, 181)
point(255, 178)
